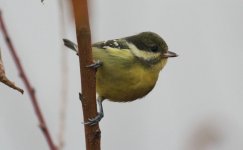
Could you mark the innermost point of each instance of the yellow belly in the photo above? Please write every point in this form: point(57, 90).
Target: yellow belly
point(121, 78)
point(123, 86)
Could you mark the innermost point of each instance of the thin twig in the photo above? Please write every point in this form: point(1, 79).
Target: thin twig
point(64, 82)
point(30, 89)
point(4, 79)
point(92, 133)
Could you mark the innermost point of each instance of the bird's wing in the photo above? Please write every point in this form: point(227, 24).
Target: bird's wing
point(117, 44)
point(113, 51)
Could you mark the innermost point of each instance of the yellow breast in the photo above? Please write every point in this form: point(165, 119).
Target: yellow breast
point(122, 78)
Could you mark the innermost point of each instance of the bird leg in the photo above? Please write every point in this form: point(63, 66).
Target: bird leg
point(96, 119)
point(95, 65)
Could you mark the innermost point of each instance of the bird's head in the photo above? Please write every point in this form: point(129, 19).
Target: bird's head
point(149, 47)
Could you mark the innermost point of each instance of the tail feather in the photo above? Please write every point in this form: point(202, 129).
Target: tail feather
point(71, 45)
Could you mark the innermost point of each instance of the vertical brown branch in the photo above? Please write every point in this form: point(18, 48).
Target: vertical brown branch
point(28, 86)
point(92, 133)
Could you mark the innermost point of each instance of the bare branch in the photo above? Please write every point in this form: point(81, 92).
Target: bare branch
point(5, 80)
point(30, 89)
point(92, 133)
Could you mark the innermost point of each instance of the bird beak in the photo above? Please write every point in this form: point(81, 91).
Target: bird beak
point(169, 54)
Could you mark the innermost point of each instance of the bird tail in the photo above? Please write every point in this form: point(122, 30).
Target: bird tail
point(71, 45)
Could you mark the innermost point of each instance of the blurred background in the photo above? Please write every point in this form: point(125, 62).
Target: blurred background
point(196, 104)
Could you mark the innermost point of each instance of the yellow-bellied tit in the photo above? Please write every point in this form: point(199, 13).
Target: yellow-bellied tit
point(127, 68)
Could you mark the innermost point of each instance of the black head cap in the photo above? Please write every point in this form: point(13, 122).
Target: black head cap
point(148, 41)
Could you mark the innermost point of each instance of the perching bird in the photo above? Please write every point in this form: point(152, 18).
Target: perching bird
point(128, 68)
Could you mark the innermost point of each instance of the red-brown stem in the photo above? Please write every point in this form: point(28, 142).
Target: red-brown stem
point(92, 133)
point(28, 86)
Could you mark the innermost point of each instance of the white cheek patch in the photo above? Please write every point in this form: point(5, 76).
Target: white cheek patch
point(142, 54)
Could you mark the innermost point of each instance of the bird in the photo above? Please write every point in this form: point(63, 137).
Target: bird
point(127, 68)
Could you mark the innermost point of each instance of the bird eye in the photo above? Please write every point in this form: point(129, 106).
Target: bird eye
point(154, 48)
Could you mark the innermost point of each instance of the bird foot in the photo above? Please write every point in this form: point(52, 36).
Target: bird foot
point(95, 65)
point(95, 120)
